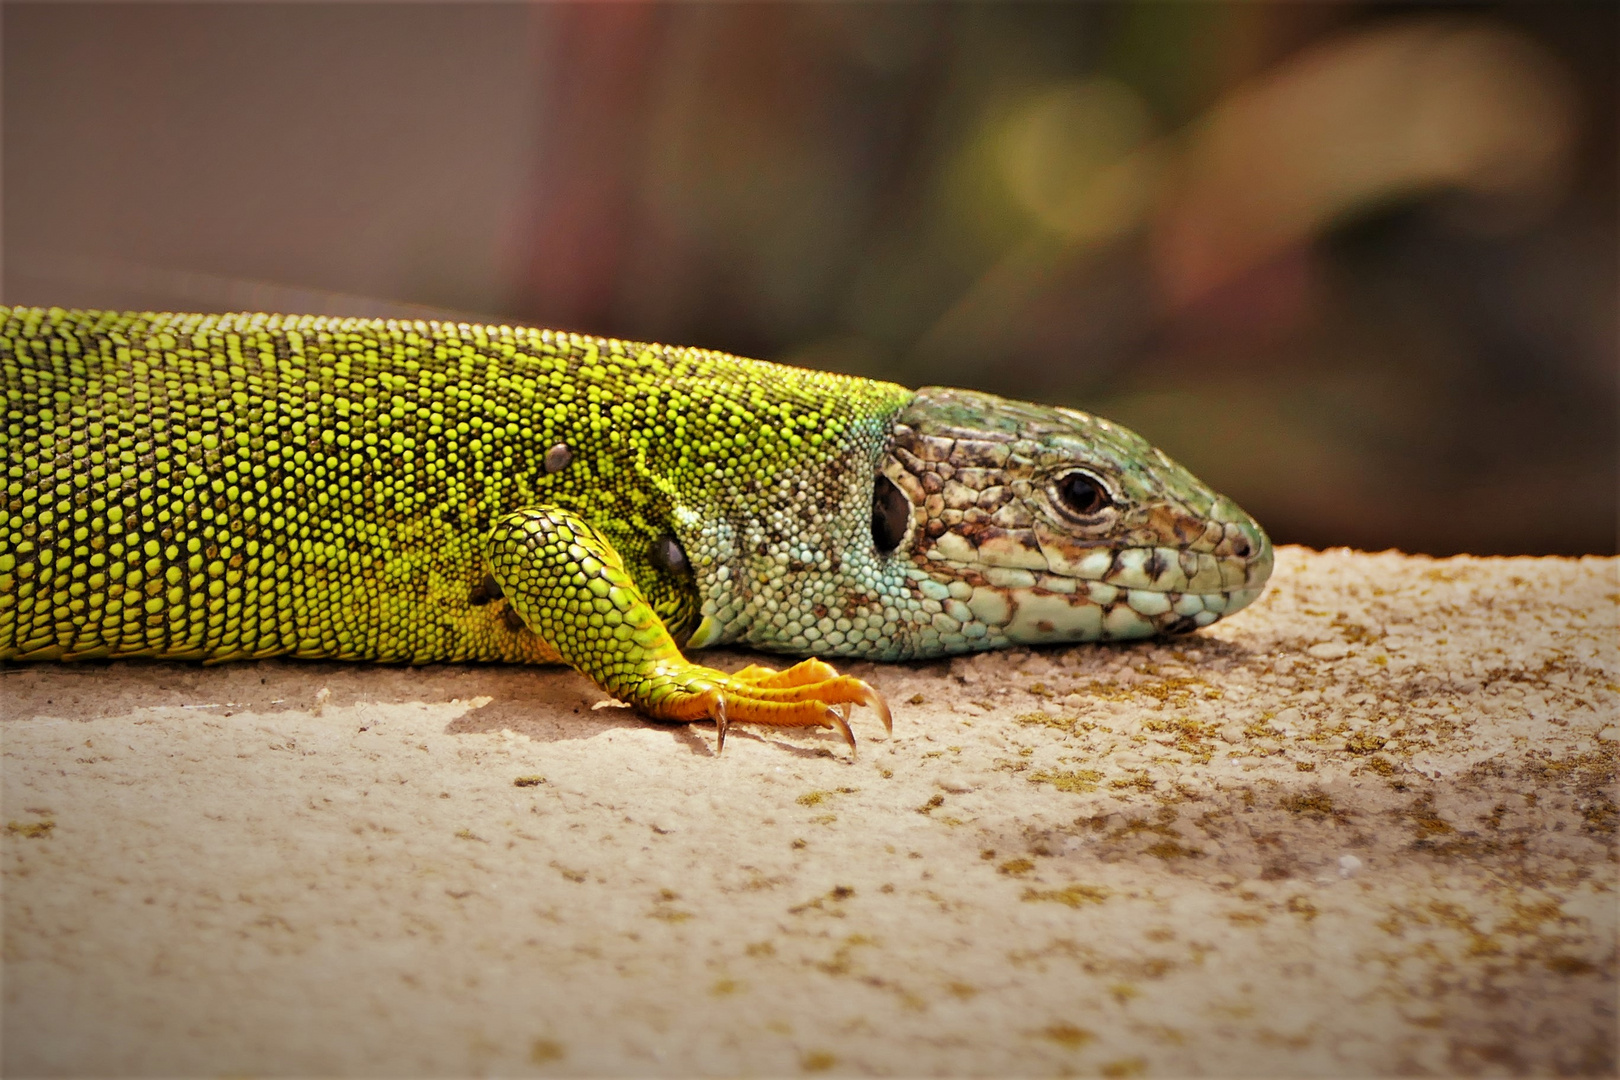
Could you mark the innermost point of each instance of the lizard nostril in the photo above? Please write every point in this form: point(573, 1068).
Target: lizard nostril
point(1241, 547)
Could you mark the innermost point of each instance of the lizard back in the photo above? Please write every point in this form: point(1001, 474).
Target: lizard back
point(225, 486)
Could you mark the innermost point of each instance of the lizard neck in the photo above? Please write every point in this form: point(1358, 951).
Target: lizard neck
point(787, 561)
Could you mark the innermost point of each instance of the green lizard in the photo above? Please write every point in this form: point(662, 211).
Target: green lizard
point(217, 487)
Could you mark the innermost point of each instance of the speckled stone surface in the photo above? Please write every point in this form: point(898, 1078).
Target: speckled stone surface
point(1365, 827)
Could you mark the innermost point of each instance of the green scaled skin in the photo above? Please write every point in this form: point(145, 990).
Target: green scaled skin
point(222, 487)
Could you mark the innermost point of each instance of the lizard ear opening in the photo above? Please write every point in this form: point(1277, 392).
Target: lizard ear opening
point(666, 555)
point(891, 513)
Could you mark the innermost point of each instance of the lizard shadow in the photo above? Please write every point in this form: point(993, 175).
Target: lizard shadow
point(97, 690)
point(543, 703)
point(558, 721)
point(577, 709)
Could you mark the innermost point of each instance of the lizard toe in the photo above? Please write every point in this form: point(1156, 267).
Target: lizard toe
point(775, 699)
point(804, 673)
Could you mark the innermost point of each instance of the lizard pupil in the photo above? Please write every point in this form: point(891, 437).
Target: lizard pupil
point(891, 512)
point(1082, 494)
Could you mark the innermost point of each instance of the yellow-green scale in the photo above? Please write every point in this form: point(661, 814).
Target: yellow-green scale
point(250, 485)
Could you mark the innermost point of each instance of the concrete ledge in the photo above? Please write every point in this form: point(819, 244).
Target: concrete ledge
point(1367, 826)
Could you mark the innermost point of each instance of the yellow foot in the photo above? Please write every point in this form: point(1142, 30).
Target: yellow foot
point(808, 694)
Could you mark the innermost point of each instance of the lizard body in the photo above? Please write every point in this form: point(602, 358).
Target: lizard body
point(238, 486)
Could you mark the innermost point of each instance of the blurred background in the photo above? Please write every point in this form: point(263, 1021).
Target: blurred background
point(1352, 263)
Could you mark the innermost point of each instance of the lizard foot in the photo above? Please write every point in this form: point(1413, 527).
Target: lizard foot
point(809, 694)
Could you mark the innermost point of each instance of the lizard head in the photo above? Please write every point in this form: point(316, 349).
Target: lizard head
point(1031, 524)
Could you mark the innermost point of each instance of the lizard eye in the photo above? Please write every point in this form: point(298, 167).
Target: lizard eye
point(1082, 494)
point(891, 513)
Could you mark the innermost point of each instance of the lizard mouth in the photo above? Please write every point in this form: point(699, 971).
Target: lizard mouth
point(1009, 593)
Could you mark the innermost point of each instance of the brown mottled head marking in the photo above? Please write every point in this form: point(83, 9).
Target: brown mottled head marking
point(1049, 524)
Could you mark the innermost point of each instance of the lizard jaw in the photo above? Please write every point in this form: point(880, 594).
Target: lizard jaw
point(998, 604)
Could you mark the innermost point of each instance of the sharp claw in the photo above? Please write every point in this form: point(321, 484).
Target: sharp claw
point(874, 700)
point(721, 724)
point(843, 726)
